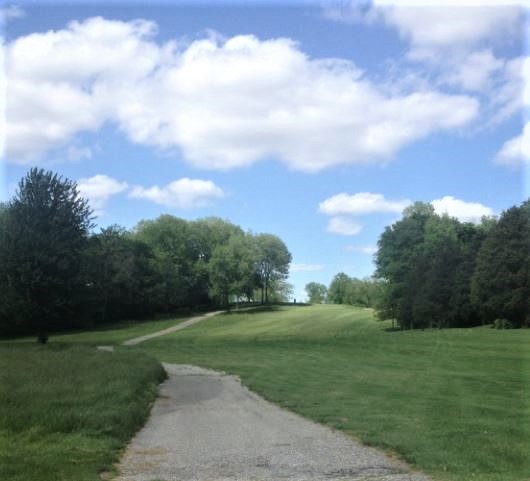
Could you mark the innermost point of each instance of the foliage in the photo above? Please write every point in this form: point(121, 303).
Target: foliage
point(440, 272)
point(317, 293)
point(44, 230)
point(55, 274)
point(273, 259)
point(501, 282)
point(356, 292)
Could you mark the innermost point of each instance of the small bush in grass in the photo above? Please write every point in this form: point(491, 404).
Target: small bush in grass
point(502, 324)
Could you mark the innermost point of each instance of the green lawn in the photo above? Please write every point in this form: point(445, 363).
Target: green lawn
point(456, 403)
point(117, 333)
point(65, 412)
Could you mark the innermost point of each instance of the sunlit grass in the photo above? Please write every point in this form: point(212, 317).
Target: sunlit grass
point(455, 403)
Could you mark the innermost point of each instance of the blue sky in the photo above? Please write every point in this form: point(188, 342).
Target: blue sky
point(317, 123)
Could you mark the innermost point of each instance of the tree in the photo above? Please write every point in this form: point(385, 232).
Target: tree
point(281, 291)
point(338, 288)
point(399, 261)
point(45, 229)
point(316, 292)
point(501, 281)
point(232, 268)
point(170, 240)
point(273, 259)
point(120, 274)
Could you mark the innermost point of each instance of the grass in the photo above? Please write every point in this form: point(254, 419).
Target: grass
point(455, 403)
point(113, 334)
point(66, 411)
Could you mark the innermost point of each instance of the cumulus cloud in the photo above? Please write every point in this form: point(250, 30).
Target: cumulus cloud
point(306, 267)
point(98, 189)
point(361, 203)
point(451, 26)
point(222, 103)
point(343, 226)
point(463, 211)
point(363, 249)
point(183, 193)
point(516, 151)
point(455, 45)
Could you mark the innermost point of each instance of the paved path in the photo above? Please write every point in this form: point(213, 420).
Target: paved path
point(178, 327)
point(206, 426)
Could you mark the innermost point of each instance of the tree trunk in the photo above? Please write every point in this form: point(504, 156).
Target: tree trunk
point(42, 337)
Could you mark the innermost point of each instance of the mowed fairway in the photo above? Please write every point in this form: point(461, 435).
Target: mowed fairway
point(455, 403)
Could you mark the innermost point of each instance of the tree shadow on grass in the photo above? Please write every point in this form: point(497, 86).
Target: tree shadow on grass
point(256, 309)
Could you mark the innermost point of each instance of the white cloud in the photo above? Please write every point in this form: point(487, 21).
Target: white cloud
point(363, 249)
point(516, 151)
point(223, 104)
point(449, 26)
point(11, 12)
point(98, 189)
point(306, 267)
point(343, 226)
point(183, 193)
point(361, 203)
point(463, 211)
point(76, 154)
point(476, 72)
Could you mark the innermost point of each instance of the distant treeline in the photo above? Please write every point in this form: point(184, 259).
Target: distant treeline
point(440, 272)
point(56, 273)
point(346, 290)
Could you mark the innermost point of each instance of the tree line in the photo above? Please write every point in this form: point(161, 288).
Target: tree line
point(55, 272)
point(440, 272)
point(344, 289)
point(435, 271)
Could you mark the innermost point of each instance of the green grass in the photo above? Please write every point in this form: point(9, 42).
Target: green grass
point(65, 412)
point(113, 334)
point(455, 403)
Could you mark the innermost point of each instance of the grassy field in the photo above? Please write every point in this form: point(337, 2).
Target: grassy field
point(65, 412)
point(456, 403)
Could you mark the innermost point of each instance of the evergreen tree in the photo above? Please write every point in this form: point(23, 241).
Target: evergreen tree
point(44, 231)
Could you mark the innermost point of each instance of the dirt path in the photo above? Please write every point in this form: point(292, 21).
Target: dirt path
point(206, 426)
point(178, 327)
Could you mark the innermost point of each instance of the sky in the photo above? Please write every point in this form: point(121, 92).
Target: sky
point(317, 122)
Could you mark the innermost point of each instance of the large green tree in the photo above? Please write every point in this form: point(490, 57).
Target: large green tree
point(501, 282)
point(44, 231)
point(338, 288)
point(232, 269)
point(273, 259)
point(170, 240)
point(399, 261)
point(121, 276)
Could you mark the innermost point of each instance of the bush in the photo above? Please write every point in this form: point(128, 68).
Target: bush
point(502, 324)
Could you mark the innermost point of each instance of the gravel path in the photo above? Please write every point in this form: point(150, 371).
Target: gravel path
point(206, 426)
point(178, 327)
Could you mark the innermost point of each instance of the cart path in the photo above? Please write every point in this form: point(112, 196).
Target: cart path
point(206, 426)
point(169, 330)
